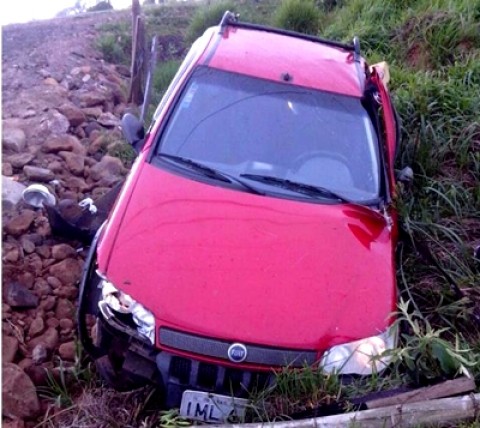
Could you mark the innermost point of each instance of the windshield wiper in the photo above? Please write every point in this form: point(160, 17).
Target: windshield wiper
point(209, 171)
point(306, 189)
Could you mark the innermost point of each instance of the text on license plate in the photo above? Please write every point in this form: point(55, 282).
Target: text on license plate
point(207, 407)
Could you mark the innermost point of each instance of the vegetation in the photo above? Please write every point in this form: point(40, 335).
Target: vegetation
point(302, 16)
point(433, 49)
point(208, 17)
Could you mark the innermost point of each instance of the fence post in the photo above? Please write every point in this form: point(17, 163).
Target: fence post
point(135, 94)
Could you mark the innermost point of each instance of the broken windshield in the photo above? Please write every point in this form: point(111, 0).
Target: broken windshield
point(241, 125)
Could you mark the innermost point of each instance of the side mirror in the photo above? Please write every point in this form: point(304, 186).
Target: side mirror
point(133, 131)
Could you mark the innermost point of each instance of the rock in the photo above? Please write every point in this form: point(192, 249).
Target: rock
point(29, 113)
point(27, 245)
point(53, 322)
point(20, 223)
point(77, 184)
point(48, 303)
point(109, 166)
point(75, 163)
point(37, 373)
point(26, 362)
point(42, 288)
point(91, 99)
point(16, 423)
point(19, 396)
point(64, 143)
point(7, 169)
point(108, 120)
point(50, 81)
point(26, 279)
point(34, 262)
point(49, 339)
point(62, 251)
point(64, 309)
point(55, 124)
point(34, 237)
point(69, 292)
point(44, 251)
point(9, 348)
point(12, 254)
point(35, 173)
point(19, 296)
point(36, 327)
point(54, 282)
point(67, 351)
point(39, 354)
point(11, 193)
point(66, 324)
point(19, 160)
point(56, 167)
point(74, 114)
point(94, 113)
point(13, 139)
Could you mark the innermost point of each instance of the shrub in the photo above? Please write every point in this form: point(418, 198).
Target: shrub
point(103, 5)
point(207, 17)
point(115, 44)
point(298, 15)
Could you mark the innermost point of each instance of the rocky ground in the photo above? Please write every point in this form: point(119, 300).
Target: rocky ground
point(61, 109)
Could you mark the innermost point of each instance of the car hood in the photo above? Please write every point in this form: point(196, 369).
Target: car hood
point(223, 263)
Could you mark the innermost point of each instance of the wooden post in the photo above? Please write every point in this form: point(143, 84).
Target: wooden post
point(135, 94)
point(148, 83)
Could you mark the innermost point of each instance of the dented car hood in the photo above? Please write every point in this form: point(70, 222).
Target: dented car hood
point(237, 266)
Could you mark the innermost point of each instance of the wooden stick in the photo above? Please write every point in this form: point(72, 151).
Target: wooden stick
point(440, 411)
point(444, 389)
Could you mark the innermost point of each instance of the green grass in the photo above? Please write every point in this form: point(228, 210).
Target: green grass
point(302, 16)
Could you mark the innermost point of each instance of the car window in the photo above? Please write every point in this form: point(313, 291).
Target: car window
point(245, 125)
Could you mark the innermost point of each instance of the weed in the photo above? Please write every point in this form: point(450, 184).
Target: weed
point(207, 17)
point(115, 43)
point(296, 390)
point(298, 15)
point(163, 76)
point(123, 151)
point(425, 355)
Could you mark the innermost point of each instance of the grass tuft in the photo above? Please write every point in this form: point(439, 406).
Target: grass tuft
point(206, 17)
point(298, 15)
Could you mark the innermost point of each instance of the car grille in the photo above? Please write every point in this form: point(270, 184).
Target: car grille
point(215, 348)
point(179, 373)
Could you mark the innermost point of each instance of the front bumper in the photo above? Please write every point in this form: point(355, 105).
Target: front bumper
point(130, 362)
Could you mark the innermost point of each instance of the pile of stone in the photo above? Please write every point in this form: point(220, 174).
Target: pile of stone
point(57, 134)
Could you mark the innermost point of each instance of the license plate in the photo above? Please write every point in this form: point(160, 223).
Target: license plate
point(207, 407)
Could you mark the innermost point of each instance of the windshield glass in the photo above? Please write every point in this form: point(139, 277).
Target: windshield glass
point(243, 125)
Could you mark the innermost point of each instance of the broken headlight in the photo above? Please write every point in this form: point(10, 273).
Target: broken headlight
point(122, 303)
point(363, 357)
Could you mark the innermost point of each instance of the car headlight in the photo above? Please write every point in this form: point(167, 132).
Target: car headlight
point(363, 357)
point(122, 303)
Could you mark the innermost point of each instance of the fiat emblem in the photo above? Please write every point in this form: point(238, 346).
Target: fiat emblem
point(237, 353)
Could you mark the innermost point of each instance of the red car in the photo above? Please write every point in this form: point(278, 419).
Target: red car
point(255, 229)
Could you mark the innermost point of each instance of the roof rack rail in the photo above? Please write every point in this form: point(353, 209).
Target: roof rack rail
point(227, 18)
point(231, 19)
